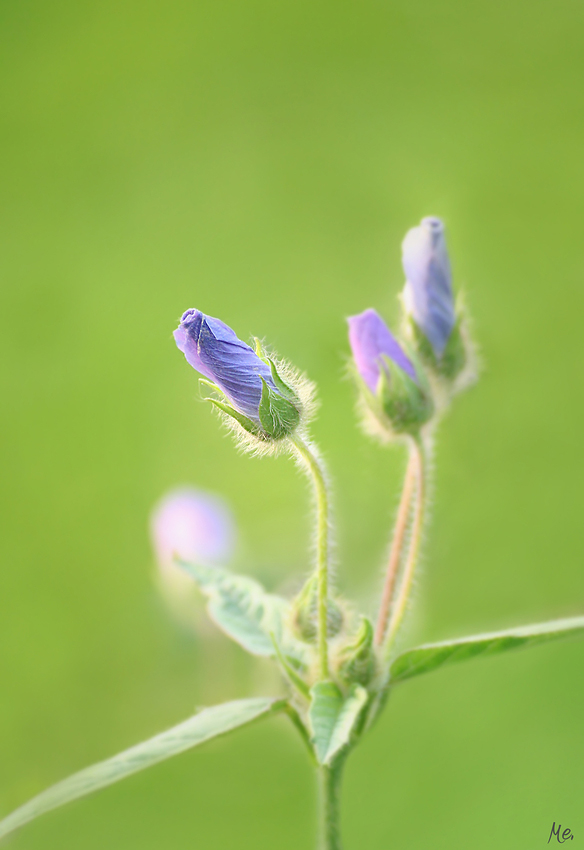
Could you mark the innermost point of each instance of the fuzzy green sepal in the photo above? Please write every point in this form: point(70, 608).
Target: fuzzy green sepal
point(246, 423)
point(279, 417)
point(406, 403)
point(453, 358)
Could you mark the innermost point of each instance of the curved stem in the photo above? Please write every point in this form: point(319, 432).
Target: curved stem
point(408, 575)
point(322, 547)
point(329, 808)
point(397, 543)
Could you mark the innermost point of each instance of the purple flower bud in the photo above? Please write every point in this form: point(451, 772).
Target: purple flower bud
point(428, 292)
point(213, 349)
point(194, 526)
point(370, 340)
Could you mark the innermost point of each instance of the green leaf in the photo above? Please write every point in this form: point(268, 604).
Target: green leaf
point(346, 721)
point(430, 656)
point(245, 612)
point(333, 718)
point(327, 701)
point(208, 724)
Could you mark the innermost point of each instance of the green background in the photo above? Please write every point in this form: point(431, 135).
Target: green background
point(262, 161)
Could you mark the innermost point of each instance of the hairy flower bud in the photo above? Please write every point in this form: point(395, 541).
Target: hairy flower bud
point(256, 395)
point(357, 660)
point(393, 388)
point(429, 299)
point(305, 614)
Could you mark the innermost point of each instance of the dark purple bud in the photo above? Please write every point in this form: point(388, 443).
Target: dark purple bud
point(213, 349)
point(428, 293)
point(371, 340)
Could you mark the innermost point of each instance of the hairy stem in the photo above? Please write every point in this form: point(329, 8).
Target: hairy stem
point(401, 602)
point(322, 547)
point(329, 807)
point(397, 543)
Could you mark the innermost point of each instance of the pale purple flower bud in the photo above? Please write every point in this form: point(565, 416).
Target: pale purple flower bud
point(428, 293)
point(214, 350)
point(193, 526)
point(371, 340)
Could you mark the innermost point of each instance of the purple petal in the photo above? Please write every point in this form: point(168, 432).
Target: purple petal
point(213, 349)
point(370, 339)
point(186, 336)
point(429, 282)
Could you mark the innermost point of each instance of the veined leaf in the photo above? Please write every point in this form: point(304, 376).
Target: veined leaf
point(346, 721)
point(327, 701)
point(209, 723)
point(333, 718)
point(430, 656)
point(245, 612)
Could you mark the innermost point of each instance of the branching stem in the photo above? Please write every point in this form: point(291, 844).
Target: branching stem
point(322, 547)
point(397, 544)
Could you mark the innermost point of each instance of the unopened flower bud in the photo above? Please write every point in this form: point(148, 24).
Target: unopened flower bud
point(253, 393)
point(357, 661)
point(429, 300)
point(393, 389)
point(305, 613)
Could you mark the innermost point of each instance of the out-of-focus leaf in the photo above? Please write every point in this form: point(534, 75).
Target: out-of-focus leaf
point(245, 612)
point(430, 656)
point(346, 721)
point(333, 718)
point(207, 724)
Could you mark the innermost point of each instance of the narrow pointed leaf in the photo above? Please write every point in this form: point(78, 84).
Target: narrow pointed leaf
point(208, 724)
point(333, 718)
point(245, 612)
point(431, 656)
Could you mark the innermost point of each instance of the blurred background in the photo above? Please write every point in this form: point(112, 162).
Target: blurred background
point(262, 161)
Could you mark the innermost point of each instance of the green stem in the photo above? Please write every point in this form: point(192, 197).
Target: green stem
point(329, 807)
point(322, 547)
point(401, 602)
point(395, 554)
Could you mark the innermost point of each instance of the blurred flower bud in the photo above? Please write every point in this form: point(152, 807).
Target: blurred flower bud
point(393, 389)
point(305, 613)
point(429, 282)
point(428, 298)
point(194, 526)
point(257, 397)
point(357, 660)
